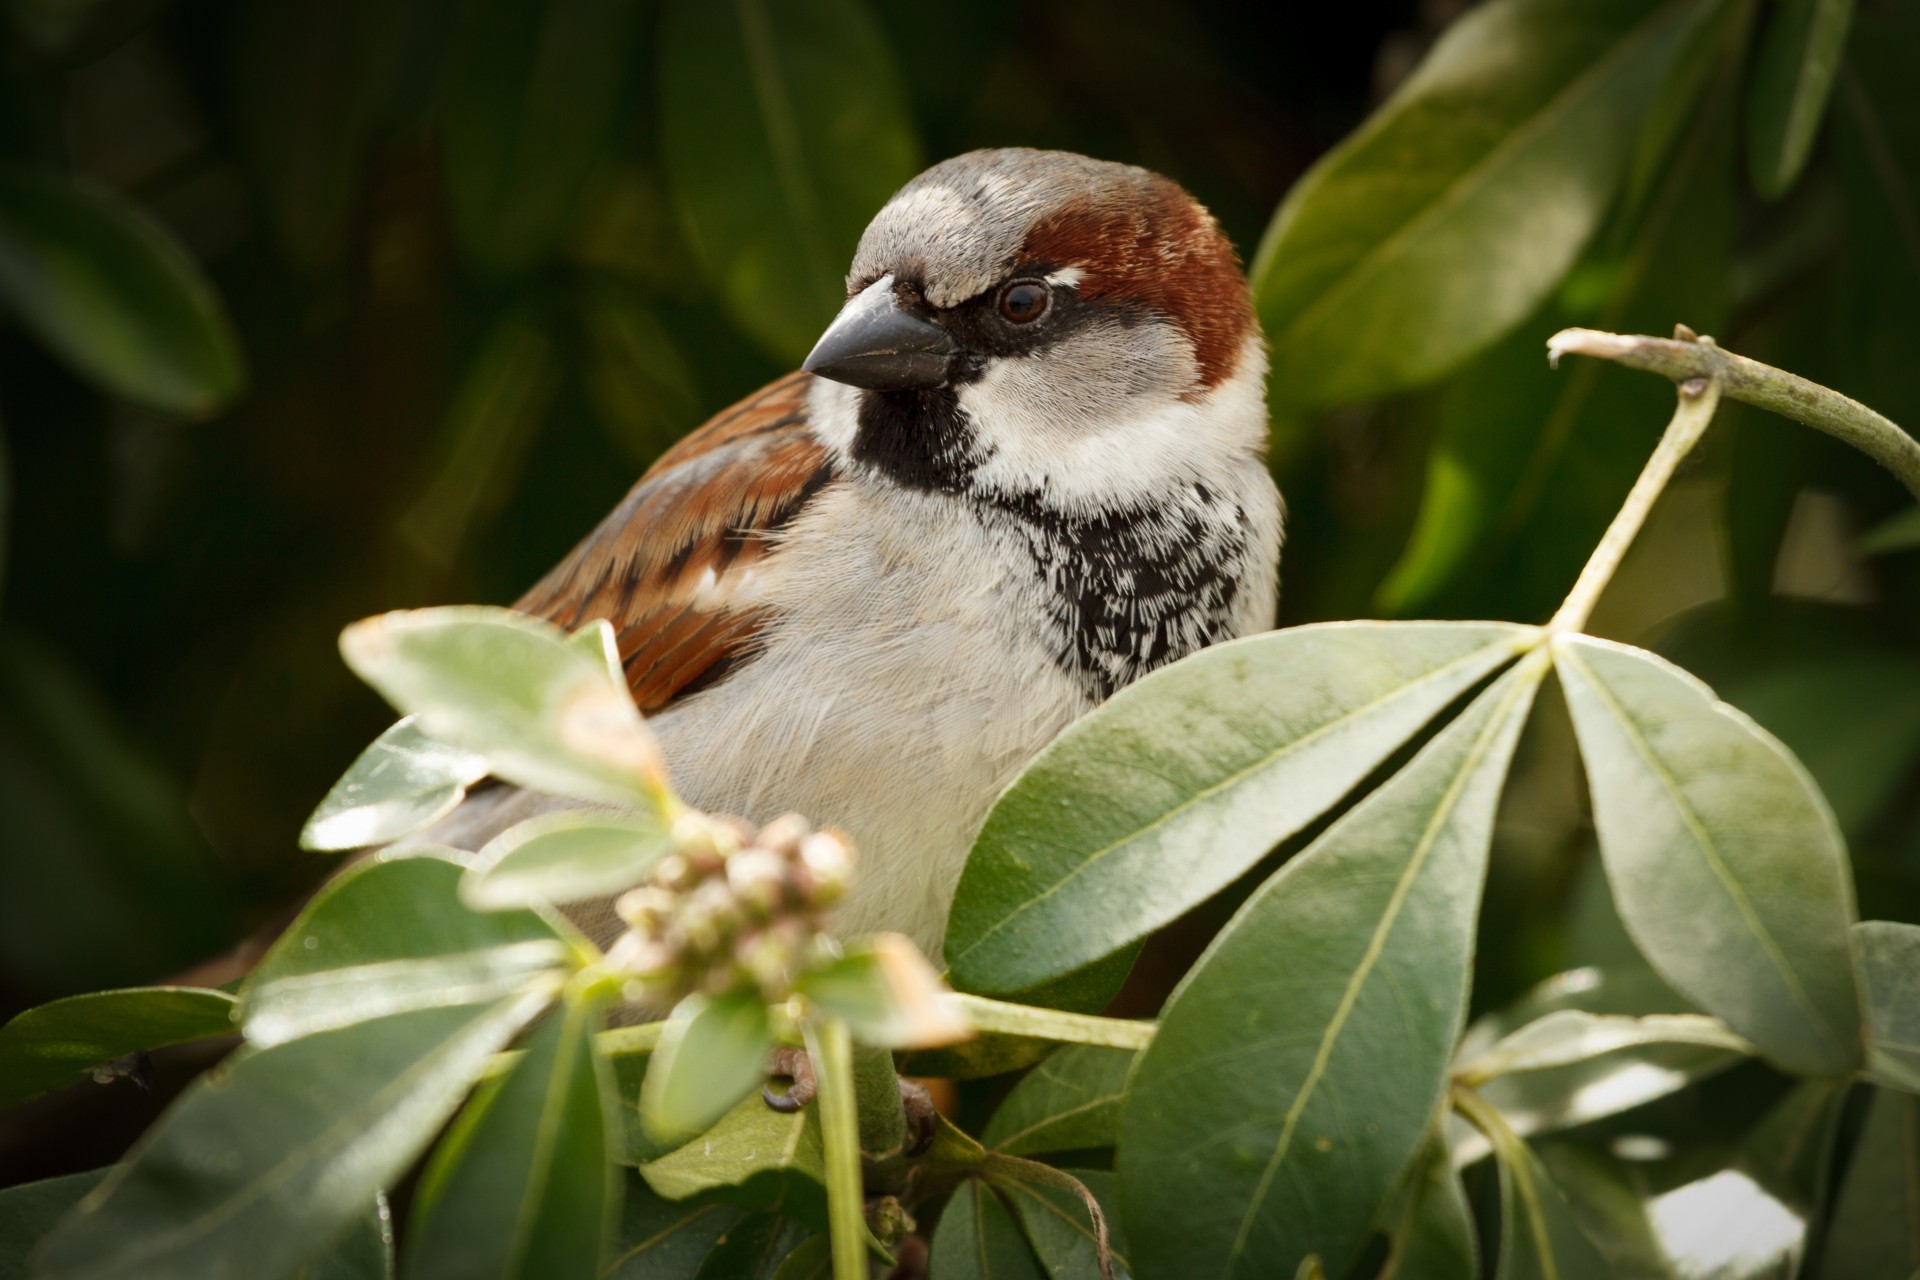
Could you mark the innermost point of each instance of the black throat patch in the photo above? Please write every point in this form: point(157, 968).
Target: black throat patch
point(920, 439)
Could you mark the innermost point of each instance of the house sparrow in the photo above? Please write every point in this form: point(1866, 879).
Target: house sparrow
point(1022, 468)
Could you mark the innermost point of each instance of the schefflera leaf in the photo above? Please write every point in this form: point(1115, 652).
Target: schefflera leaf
point(1299, 1065)
point(388, 936)
point(712, 1053)
point(564, 857)
point(525, 1186)
point(1505, 146)
point(1890, 960)
point(1163, 796)
point(54, 1044)
point(1069, 1102)
point(405, 781)
point(1725, 863)
point(265, 1160)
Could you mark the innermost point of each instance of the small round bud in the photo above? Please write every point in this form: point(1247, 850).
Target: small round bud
point(758, 878)
point(827, 862)
point(784, 834)
point(648, 908)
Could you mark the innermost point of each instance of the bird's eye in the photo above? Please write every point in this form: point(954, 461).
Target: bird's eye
point(1025, 301)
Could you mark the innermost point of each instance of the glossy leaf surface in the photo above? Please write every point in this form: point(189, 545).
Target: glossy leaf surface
point(564, 857)
point(55, 1044)
point(1180, 782)
point(1723, 858)
point(401, 784)
point(1299, 1065)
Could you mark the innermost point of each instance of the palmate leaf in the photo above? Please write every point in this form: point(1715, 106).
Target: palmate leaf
point(1301, 1061)
point(777, 155)
point(977, 1239)
point(55, 1044)
point(262, 1162)
point(1149, 805)
point(402, 783)
point(526, 1189)
point(1792, 80)
point(1505, 146)
point(1725, 863)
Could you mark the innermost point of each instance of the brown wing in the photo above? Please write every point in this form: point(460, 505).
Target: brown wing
point(665, 567)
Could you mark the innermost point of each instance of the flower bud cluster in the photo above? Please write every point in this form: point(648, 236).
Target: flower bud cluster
point(732, 909)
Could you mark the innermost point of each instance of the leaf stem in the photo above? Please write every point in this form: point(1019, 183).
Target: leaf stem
point(1051, 1024)
point(1699, 397)
point(1684, 357)
point(830, 1046)
point(625, 1042)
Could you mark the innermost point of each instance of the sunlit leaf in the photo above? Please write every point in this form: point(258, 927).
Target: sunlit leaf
point(30, 1211)
point(1874, 1232)
point(1301, 1061)
point(1890, 966)
point(1792, 79)
point(532, 96)
point(1069, 1102)
point(1723, 858)
point(262, 1162)
point(1431, 1233)
point(757, 1158)
point(564, 857)
point(712, 1052)
point(977, 1239)
point(527, 1189)
point(1180, 782)
point(889, 995)
point(779, 153)
point(510, 688)
point(1571, 1036)
point(1505, 146)
point(55, 1044)
point(403, 783)
point(109, 290)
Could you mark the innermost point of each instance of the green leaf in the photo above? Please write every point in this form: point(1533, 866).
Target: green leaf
point(751, 1250)
point(544, 713)
point(1059, 1229)
point(263, 1161)
point(1432, 1233)
point(403, 783)
point(977, 1239)
point(363, 1252)
point(888, 994)
point(1155, 801)
point(1723, 858)
point(757, 1158)
point(1300, 1063)
point(387, 935)
point(1608, 1199)
point(1890, 967)
point(1874, 1233)
point(1788, 90)
point(1898, 532)
point(55, 1044)
point(30, 1211)
point(1506, 145)
point(662, 1239)
point(1570, 1037)
point(533, 92)
point(712, 1053)
point(1539, 1239)
point(108, 289)
point(527, 1189)
point(813, 1260)
point(563, 857)
point(1069, 1102)
point(784, 128)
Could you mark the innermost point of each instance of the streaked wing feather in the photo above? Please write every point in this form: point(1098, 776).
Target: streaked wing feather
point(668, 566)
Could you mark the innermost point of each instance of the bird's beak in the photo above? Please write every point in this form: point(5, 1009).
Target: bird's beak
point(872, 343)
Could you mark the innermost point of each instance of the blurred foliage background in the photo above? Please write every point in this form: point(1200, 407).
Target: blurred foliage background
point(317, 308)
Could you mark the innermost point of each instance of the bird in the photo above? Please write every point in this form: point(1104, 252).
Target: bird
point(1022, 468)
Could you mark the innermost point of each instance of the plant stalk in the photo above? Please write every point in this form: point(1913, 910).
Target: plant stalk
point(1051, 1024)
point(1685, 357)
point(1699, 397)
point(830, 1045)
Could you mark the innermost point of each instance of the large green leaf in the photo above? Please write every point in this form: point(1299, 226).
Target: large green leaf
point(712, 1052)
point(1505, 147)
point(1432, 1234)
point(1874, 1233)
point(755, 1157)
point(29, 1212)
point(1723, 858)
point(563, 857)
point(109, 290)
point(55, 1044)
point(1539, 1238)
point(1608, 1197)
point(527, 1189)
point(662, 1239)
point(1060, 1229)
point(1890, 965)
point(1160, 798)
point(532, 93)
point(784, 128)
point(1791, 82)
point(401, 784)
point(1069, 1102)
point(977, 1239)
point(387, 935)
point(1299, 1064)
point(544, 713)
point(263, 1161)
